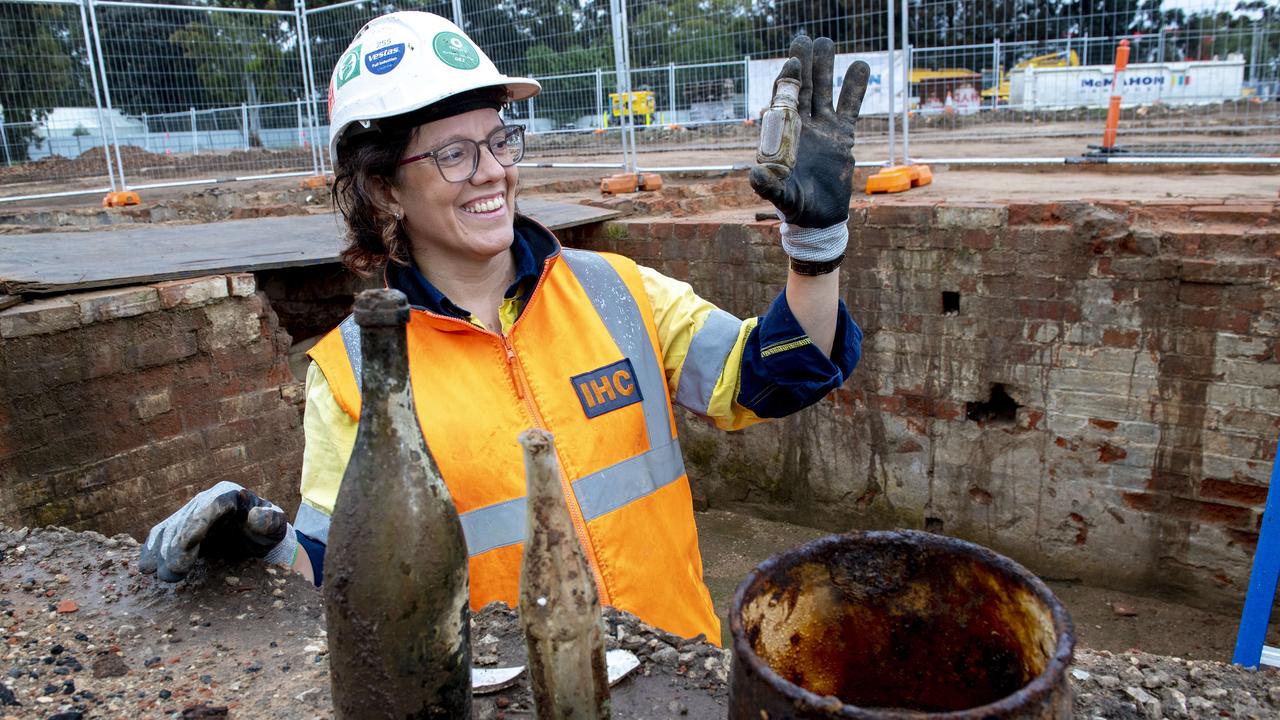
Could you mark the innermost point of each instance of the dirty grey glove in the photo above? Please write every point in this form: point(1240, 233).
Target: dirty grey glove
point(227, 522)
point(813, 197)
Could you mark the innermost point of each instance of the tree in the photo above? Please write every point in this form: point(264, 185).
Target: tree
point(146, 71)
point(691, 31)
point(565, 99)
point(244, 58)
point(45, 64)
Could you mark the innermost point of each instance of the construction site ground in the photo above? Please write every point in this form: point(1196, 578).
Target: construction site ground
point(86, 636)
point(957, 183)
point(732, 542)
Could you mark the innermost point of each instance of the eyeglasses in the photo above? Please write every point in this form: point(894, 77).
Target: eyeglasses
point(458, 160)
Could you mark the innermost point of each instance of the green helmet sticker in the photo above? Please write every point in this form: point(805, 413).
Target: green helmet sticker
point(456, 51)
point(348, 66)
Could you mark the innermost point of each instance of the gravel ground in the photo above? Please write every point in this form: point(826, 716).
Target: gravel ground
point(87, 636)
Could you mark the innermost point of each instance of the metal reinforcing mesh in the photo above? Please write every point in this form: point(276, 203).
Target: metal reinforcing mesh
point(203, 92)
point(50, 126)
point(191, 91)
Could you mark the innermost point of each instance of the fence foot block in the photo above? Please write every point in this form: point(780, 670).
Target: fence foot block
point(317, 182)
point(121, 198)
point(630, 182)
point(617, 184)
point(899, 178)
point(889, 180)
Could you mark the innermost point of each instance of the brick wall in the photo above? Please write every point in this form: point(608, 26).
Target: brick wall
point(120, 404)
point(1090, 388)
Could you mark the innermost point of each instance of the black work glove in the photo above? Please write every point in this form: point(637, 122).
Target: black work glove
point(226, 522)
point(815, 194)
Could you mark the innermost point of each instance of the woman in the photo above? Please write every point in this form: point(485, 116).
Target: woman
point(510, 330)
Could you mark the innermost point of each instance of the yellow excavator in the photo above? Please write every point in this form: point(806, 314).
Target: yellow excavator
point(1062, 58)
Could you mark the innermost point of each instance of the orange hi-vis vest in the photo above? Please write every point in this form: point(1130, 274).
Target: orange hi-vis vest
point(583, 362)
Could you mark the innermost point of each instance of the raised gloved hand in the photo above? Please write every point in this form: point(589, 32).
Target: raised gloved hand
point(227, 522)
point(813, 196)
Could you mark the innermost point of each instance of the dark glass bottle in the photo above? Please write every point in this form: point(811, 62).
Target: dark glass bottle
point(559, 603)
point(395, 580)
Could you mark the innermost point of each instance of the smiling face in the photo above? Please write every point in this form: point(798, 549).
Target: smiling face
point(467, 221)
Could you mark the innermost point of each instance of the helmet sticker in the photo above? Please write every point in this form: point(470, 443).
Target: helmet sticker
point(384, 60)
point(455, 51)
point(348, 66)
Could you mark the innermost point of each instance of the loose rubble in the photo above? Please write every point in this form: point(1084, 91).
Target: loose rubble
point(87, 636)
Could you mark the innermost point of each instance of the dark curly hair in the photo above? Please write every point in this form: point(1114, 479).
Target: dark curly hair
point(374, 236)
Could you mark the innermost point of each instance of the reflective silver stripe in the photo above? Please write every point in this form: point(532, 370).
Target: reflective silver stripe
point(606, 490)
point(485, 528)
point(312, 522)
point(599, 493)
point(705, 361)
point(351, 339)
point(494, 526)
point(621, 315)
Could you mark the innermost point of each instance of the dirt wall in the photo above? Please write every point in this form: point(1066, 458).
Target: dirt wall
point(1090, 388)
point(120, 404)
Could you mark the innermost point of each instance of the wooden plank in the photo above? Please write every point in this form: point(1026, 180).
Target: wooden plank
point(63, 262)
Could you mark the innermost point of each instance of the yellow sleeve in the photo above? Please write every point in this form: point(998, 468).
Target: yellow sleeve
point(329, 434)
point(680, 315)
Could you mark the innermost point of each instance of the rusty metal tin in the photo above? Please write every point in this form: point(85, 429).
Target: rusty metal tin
point(897, 625)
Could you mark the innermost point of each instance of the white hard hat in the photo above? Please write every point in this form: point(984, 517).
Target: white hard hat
point(404, 61)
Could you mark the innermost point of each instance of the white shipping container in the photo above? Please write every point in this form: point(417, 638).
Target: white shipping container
point(1089, 86)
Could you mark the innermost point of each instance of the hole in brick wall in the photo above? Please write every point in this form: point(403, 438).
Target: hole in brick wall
point(998, 408)
point(933, 525)
point(950, 302)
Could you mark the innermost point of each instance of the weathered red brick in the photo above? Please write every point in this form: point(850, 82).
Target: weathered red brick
point(971, 216)
point(241, 284)
point(116, 303)
point(191, 291)
point(1230, 320)
point(980, 495)
point(894, 215)
point(1237, 214)
point(1200, 294)
point(1108, 453)
point(1233, 491)
point(1032, 213)
point(162, 350)
point(1111, 337)
point(1188, 509)
point(39, 317)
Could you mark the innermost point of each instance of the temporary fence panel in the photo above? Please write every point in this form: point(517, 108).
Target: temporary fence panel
point(218, 88)
point(710, 67)
point(330, 29)
point(53, 135)
point(569, 50)
point(190, 91)
point(992, 80)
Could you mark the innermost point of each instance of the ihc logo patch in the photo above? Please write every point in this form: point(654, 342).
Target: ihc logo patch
point(606, 389)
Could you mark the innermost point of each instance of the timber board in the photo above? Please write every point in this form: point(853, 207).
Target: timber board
point(46, 263)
